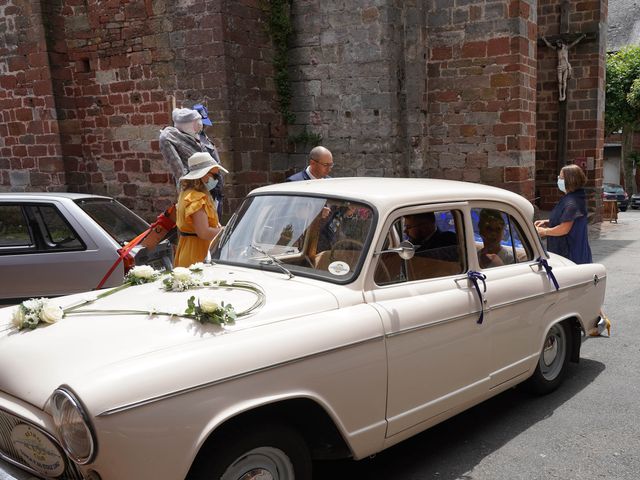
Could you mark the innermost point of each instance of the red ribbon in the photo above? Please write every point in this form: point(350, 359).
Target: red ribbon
point(163, 220)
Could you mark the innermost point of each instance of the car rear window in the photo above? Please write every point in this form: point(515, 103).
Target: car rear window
point(613, 189)
point(14, 231)
point(116, 219)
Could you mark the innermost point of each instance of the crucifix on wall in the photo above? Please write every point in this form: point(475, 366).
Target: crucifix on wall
point(562, 42)
point(565, 72)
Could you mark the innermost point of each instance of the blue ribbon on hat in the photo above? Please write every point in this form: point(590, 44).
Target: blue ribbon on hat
point(544, 264)
point(474, 277)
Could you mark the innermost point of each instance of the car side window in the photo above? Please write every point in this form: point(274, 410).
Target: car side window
point(499, 238)
point(437, 238)
point(14, 228)
point(56, 231)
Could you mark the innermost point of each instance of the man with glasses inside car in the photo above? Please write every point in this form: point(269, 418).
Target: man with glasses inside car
point(422, 231)
point(320, 164)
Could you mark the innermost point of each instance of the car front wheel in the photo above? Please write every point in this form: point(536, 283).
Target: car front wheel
point(274, 452)
point(553, 360)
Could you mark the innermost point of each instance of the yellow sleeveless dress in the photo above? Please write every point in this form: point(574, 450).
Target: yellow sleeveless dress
point(192, 249)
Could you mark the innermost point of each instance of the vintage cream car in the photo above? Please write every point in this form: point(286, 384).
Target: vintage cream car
point(348, 338)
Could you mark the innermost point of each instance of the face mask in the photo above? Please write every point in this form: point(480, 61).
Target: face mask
point(211, 183)
point(187, 128)
point(561, 185)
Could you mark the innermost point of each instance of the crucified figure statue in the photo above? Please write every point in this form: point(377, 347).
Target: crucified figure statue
point(564, 67)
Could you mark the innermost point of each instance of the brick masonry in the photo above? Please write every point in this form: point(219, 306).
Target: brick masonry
point(439, 88)
point(481, 92)
point(87, 85)
point(585, 99)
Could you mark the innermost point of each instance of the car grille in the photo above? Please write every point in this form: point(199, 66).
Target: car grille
point(10, 454)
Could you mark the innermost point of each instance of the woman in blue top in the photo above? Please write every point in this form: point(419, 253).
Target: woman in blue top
point(566, 229)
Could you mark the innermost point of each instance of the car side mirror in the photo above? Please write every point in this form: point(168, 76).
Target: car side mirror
point(406, 250)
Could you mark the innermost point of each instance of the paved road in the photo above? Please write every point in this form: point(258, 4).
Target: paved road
point(589, 429)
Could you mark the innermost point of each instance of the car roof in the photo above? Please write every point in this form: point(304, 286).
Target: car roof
point(388, 193)
point(49, 196)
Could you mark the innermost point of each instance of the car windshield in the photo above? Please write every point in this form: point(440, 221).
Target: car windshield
point(116, 219)
point(311, 236)
point(610, 188)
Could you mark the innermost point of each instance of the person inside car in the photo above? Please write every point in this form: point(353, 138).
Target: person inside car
point(491, 228)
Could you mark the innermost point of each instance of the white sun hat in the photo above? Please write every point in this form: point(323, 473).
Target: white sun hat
point(199, 165)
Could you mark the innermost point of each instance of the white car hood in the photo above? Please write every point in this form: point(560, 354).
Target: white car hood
point(80, 348)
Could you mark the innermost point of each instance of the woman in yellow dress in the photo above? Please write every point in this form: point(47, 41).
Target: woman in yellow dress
point(196, 215)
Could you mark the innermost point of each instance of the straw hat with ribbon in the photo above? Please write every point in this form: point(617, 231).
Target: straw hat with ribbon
point(199, 164)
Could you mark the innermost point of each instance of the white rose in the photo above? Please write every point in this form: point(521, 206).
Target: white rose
point(182, 274)
point(18, 317)
point(33, 303)
point(208, 304)
point(51, 313)
point(143, 271)
point(197, 267)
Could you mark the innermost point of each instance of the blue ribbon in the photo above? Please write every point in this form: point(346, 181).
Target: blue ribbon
point(474, 277)
point(544, 264)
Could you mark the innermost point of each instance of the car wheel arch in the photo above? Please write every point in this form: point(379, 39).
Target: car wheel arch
point(321, 432)
point(548, 374)
point(576, 329)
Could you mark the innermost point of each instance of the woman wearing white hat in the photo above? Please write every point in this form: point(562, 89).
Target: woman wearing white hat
point(196, 216)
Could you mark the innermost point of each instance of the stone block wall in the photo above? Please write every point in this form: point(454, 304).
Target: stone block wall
point(481, 92)
point(86, 96)
point(30, 147)
point(435, 89)
point(359, 71)
point(438, 88)
point(585, 98)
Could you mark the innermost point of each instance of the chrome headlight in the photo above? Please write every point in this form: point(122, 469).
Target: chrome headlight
point(72, 423)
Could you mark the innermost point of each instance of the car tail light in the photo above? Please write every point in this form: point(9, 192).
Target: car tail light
point(128, 261)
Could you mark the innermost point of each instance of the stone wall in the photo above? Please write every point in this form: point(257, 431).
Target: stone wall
point(438, 88)
point(585, 98)
point(86, 96)
point(481, 92)
point(359, 80)
point(30, 148)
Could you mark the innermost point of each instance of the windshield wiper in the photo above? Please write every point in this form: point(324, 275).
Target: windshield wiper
point(274, 260)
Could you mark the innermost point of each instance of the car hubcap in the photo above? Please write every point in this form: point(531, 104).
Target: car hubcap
point(553, 353)
point(257, 474)
point(262, 463)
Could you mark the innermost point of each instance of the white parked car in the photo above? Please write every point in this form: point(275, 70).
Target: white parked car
point(348, 337)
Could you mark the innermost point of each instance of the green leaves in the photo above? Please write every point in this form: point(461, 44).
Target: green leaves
point(633, 97)
point(206, 311)
point(280, 30)
point(623, 89)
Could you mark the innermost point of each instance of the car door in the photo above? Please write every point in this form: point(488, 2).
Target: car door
point(45, 251)
point(515, 284)
point(437, 351)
